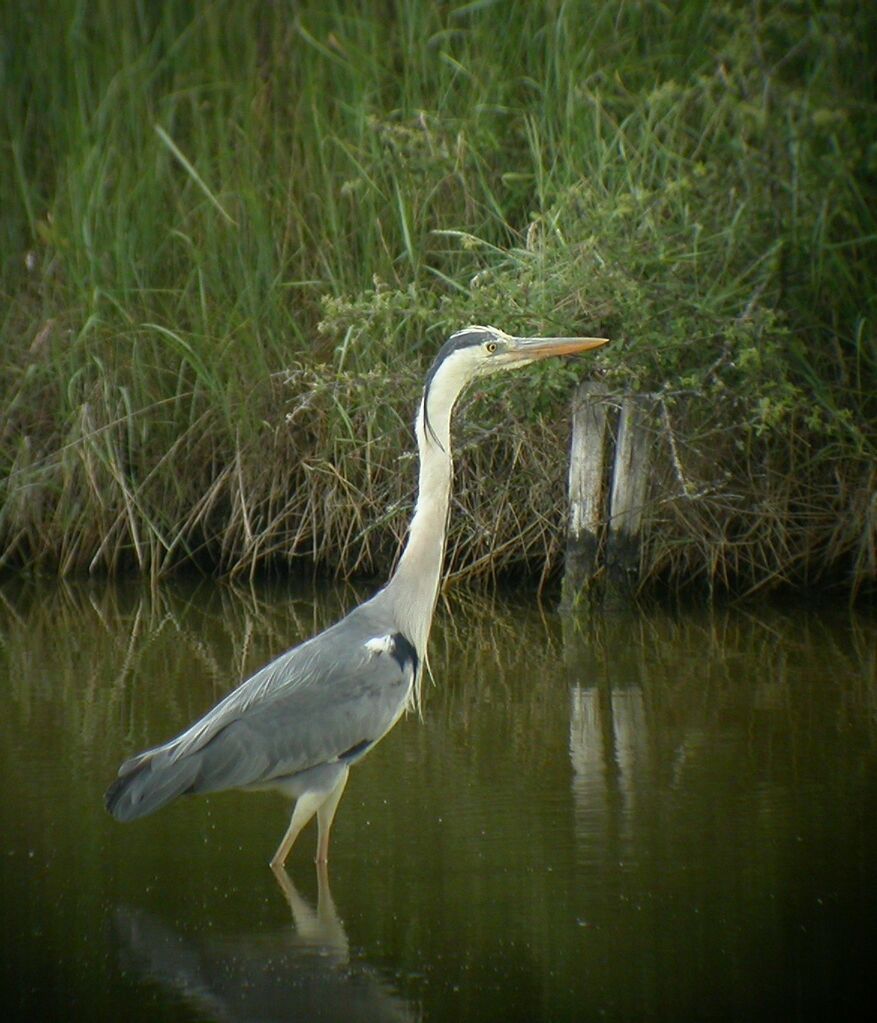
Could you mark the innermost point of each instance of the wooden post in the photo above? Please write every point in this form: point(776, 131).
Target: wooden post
point(630, 477)
point(587, 470)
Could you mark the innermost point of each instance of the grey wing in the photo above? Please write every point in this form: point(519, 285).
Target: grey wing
point(329, 698)
point(309, 725)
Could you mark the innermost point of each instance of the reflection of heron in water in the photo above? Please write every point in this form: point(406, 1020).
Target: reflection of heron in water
point(304, 719)
point(300, 974)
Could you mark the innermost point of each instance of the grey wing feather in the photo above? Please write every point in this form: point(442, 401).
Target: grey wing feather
point(310, 704)
point(306, 726)
point(313, 663)
point(326, 700)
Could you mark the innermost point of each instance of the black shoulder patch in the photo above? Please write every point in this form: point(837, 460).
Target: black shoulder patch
point(404, 652)
point(355, 752)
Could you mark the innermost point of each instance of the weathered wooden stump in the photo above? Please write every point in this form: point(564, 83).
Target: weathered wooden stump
point(587, 474)
point(603, 541)
point(630, 477)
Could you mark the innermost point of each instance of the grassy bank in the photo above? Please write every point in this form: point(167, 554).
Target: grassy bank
point(234, 234)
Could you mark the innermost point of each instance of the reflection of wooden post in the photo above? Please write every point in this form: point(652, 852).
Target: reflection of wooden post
point(586, 473)
point(630, 476)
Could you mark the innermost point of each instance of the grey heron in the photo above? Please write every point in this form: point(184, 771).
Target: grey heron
point(302, 721)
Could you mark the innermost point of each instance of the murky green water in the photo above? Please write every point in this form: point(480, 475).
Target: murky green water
point(662, 817)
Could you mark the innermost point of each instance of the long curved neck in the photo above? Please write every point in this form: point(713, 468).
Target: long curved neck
point(413, 587)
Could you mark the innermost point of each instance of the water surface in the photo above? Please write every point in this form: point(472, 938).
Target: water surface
point(663, 816)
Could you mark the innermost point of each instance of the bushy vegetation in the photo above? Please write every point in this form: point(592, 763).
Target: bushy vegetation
point(234, 234)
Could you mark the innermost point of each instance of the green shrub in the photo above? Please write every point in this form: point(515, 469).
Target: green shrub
point(213, 210)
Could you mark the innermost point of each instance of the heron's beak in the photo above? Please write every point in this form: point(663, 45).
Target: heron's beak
point(529, 349)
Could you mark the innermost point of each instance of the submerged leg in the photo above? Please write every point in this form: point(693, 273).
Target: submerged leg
point(322, 929)
point(325, 816)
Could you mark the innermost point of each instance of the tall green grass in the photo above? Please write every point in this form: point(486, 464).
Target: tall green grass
point(234, 234)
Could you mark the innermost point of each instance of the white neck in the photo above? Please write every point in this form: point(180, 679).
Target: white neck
point(413, 587)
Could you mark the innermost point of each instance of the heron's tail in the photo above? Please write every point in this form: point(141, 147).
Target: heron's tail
point(149, 782)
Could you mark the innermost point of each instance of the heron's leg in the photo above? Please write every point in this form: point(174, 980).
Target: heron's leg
point(306, 806)
point(325, 816)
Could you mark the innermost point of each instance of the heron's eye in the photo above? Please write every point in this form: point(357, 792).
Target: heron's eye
point(491, 347)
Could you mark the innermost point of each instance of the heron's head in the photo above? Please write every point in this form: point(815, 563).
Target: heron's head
point(476, 351)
